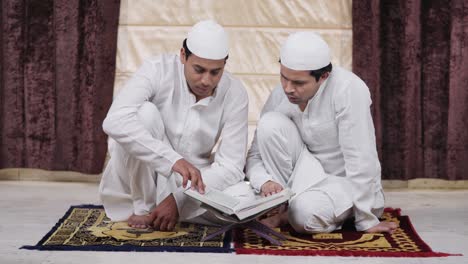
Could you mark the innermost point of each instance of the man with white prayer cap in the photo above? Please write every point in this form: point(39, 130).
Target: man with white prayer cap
point(163, 127)
point(316, 136)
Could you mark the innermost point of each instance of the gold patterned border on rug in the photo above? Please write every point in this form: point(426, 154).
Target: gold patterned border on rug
point(404, 242)
point(88, 228)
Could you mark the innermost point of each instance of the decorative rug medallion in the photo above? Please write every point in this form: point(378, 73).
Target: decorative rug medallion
point(404, 242)
point(87, 227)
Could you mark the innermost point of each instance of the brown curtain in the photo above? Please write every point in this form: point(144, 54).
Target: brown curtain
point(57, 72)
point(413, 54)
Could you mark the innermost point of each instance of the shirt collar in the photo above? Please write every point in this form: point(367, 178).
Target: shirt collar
point(316, 95)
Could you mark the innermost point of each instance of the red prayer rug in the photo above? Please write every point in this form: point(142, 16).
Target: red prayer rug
point(404, 242)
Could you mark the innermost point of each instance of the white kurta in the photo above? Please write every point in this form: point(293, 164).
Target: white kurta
point(192, 128)
point(337, 129)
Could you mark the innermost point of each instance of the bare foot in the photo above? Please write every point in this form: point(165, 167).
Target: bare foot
point(139, 221)
point(276, 220)
point(383, 227)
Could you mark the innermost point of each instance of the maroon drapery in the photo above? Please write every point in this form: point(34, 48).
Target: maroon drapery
point(57, 71)
point(414, 57)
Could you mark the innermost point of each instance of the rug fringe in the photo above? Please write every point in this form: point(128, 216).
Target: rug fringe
point(130, 249)
point(332, 253)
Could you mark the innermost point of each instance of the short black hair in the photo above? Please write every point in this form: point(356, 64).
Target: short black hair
point(188, 52)
point(318, 73)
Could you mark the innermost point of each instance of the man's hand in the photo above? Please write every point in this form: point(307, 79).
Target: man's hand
point(270, 188)
point(165, 215)
point(383, 227)
point(189, 172)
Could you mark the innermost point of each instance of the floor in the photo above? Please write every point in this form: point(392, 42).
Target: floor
point(30, 209)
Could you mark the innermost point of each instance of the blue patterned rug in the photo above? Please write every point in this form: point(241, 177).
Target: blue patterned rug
point(86, 227)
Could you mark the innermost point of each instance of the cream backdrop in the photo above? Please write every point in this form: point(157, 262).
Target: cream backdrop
point(256, 30)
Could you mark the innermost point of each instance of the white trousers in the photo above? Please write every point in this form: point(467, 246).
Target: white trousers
point(321, 204)
point(129, 186)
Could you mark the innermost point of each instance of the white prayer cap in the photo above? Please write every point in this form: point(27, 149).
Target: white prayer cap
point(208, 40)
point(305, 51)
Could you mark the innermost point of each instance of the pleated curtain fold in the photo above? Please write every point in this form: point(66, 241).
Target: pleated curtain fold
point(57, 73)
point(414, 57)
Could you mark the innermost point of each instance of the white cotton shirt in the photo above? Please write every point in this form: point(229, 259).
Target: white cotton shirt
point(193, 128)
point(337, 128)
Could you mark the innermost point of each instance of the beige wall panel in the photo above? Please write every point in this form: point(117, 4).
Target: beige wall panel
point(256, 13)
point(253, 50)
point(259, 88)
point(134, 44)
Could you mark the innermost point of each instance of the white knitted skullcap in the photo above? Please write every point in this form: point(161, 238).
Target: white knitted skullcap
point(304, 51)
point(208, 40)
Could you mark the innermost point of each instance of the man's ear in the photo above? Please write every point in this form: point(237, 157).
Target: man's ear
point(182, 56)
point(325, 76)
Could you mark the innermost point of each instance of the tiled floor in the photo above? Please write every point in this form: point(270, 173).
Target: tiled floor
point(30, 209)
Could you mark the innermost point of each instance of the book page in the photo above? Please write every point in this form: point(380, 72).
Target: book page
point(216, 199)
point(221, 198)
point(261, 200)
point(233, 207)
point(264, 204)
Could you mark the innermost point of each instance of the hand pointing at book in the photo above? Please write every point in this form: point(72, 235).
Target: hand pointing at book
point(189, 172)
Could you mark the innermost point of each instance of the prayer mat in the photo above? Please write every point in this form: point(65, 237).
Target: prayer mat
point(87, 227)
point(404, 242)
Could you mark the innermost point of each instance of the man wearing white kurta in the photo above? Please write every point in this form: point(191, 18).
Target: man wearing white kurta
point(165, 123)
point(316, 136)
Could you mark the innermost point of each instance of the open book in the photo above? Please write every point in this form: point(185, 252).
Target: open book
point(233, 209)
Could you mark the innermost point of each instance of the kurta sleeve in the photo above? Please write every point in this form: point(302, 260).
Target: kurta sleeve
point(122, 124)
point(357, 142)
point(255, 169)
point(229, 160)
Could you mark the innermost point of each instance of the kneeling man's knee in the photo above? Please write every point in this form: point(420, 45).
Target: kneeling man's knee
point(151, 119)
point(312, 212)
point(272, 123)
